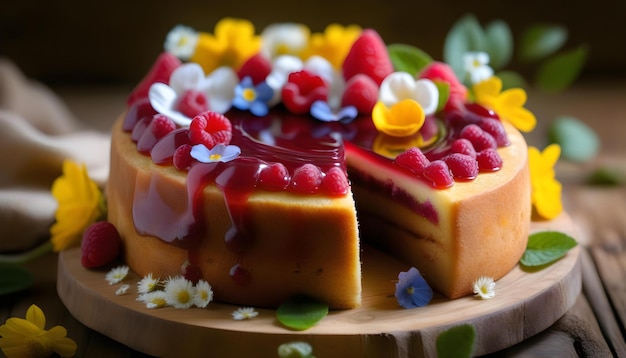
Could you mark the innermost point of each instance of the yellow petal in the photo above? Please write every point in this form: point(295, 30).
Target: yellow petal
point(35, 315)
point(521, 118)
point(403, 119)
point(514, 97)
point(58, 342)
point(485, 91)
point(551, 154)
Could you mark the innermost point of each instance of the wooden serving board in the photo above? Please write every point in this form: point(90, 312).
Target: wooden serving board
point(525, 304)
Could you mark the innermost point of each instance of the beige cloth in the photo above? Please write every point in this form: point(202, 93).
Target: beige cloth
point(37, 132)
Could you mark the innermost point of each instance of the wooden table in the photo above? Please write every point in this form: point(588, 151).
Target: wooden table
point(593, 327)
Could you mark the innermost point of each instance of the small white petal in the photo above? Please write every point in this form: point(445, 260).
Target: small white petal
point(402, 85)
point(284, 36)
point(163, 100)
point(427, 95)
point(185, 77)
point(219, 88)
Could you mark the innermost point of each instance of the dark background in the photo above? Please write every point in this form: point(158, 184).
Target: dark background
point(72, 42)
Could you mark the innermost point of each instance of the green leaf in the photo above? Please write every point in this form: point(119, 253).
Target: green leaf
point(605, 176)
point(14, 278)
point(540, 41)
point(457, 342)
point(578, 141)
point(301, 312)
point(466, 35)
point(560, 71)
point(444, 93)
point(295, 350)
point(408, 58)
point(499, 43)
point(511, 79)
point(546, 247)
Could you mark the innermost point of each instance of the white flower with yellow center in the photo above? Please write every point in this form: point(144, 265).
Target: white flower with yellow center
point(179, 292)
point(399, 86)
point(154, 299)
point(476, 65)
point(244, 313)
point(116, 274)
point(181, 41)
point(148, 284)
point(484, 287)
point(204, 294)
point(284, 39)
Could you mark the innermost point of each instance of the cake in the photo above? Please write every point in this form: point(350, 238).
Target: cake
point(264, 173)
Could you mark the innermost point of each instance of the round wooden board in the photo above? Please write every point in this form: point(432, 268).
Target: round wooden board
point(525, 304)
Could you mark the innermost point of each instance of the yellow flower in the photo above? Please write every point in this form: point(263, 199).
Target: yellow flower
point(27, 337)
point(334, 44)
point(403, 119)
point(545, 189)
point(233, 43)
point(508, 104)
point(80, 202)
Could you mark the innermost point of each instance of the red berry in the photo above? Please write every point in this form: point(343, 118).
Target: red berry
point(210, 129)
point(481, 111)
point(274, 177)
point(301, 90)
point(159, 127)
point(192, 102)
point(412, 159)
point(182, 157)
point(463, 146)
point(101, 245)
point(489, 160)
point(191, 272)
point(306, 179)
point(439, 174)
point(368, 55)
point(442, 72)
point(335, 183)
point(256, 67)
point(496, 129)
point(462, 166)
point(160, 71)
point(362, 92)
point(479, 138)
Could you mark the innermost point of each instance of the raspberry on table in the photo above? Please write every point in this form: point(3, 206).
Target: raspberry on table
point(101, 245)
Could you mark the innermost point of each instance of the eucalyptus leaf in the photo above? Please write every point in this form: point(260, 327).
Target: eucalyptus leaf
point(457, 342)
point(546, 247)
point(499, 44)
point(466, 35)
point(14, 278)
point(578, 141)
point(408, 58)
point(301, 312)
point(561, 70)
point(540, 41)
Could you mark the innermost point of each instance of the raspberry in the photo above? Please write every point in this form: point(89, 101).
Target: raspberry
point(301, 90)
point(160, 71)
point(479, 138)
point(335, 183)
point(361, 92)
point(462, 166)
point(463, 146)
point(489, 160)
point(191, 272)
point(306, 179)
point(439, 174)
point(192, 102)
point(442, 72)
point(210, 129)
point(182, 157)
point(274, 177)
point(368, 55)
point(256, 67)
point(159, 127)
point(412, 159)
point(101, 245)
point(496, 129)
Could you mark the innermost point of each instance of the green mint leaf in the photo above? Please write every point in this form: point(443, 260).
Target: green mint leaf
point(457, 342)
point(560, 71)
point(466, 35)
point(578, 141)
point(499, 43)
point(14, 278)
point(546, 247)
point(301, 312)
point(408, 58)
point(540, 41)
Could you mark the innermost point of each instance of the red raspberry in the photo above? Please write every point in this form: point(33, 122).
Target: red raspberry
point(368, 55)
point(182, 157)
point(361, 92)
point(192, 103)
point(191, 272)
point(463, 146)
point(210, 129)
point(256, 67)
point(301, 90)
point(160, 71)
point(274, 177)
point(335, 183)
point(462, 166)
point(412, 159)
point(439, 174)
point(496, 129)
point(306, 179)
point(159, 127)
point(479, 138)
point(442, 72)
point(489, 160)
point(101, 245)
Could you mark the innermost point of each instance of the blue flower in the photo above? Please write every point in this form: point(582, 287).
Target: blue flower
point(412, 290)
point(219, 153)
point(322, 111)
point(253, 98)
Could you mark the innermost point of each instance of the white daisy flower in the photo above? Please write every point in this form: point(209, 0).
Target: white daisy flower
point(204, 294)
point(154, 299)
point(181, 41)
point(116, 275)
point(148, 284)
point(179, 292)
point(484, 287)
point(123, 289)
point(476, 65)
point(284, 39)
point(399, 86)
point(244, 313)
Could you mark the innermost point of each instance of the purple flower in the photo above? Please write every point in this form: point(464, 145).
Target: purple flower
point(253, 98)
point(219, 153)
point(322, 111)
point(412, 290)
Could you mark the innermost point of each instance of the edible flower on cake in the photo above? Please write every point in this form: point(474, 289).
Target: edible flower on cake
point(508, 104)
point(546, 190)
